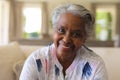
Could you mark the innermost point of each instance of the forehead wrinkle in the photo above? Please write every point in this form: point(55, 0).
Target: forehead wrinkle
point(72, 27)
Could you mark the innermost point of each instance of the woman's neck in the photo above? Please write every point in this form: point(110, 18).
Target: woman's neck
point(66, 61)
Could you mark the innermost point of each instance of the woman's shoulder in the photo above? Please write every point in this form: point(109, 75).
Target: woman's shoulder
point(90, 55)
point(41, 52)
point(38, 55)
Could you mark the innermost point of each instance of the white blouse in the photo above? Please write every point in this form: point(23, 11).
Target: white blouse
point(43, 64)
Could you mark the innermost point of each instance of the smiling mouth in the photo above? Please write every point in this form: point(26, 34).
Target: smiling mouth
point(67, 47)
point(64, 48)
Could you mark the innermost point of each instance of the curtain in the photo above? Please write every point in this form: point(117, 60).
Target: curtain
point(4, 22)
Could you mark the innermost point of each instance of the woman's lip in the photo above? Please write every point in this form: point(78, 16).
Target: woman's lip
point(65, 47)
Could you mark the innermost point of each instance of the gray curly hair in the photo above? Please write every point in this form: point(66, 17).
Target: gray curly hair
point(75, 9)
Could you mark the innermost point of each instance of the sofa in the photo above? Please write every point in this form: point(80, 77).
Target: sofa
point(13, 56)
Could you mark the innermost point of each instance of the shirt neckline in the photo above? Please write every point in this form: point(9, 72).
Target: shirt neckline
point(71, 67)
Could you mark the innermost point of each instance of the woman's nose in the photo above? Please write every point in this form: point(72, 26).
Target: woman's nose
point(67, 38)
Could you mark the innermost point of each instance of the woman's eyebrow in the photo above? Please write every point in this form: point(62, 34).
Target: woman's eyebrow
point(77, 30)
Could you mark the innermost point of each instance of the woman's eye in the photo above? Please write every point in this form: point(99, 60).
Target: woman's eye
point(61, 30)
point(76, 35)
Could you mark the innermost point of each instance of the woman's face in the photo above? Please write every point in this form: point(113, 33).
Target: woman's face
point(69, 34)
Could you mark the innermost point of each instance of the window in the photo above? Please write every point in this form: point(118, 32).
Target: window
point(106, 25)
point(105, 20)
point(103, 24)
point(31, 20)
point(30, 23)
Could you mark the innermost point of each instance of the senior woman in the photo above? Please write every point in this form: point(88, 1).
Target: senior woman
point(67, 58)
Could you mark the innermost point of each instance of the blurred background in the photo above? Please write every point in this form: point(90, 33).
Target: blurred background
point(29, 21)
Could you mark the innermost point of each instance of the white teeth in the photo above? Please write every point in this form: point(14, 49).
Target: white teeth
point(66, 46)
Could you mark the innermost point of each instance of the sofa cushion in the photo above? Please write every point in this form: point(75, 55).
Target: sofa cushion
point(9, 54)
point(27, 49)
point(17, 68)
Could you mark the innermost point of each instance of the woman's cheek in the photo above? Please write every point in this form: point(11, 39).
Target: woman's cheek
point(55, 39)
point(78, 44)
